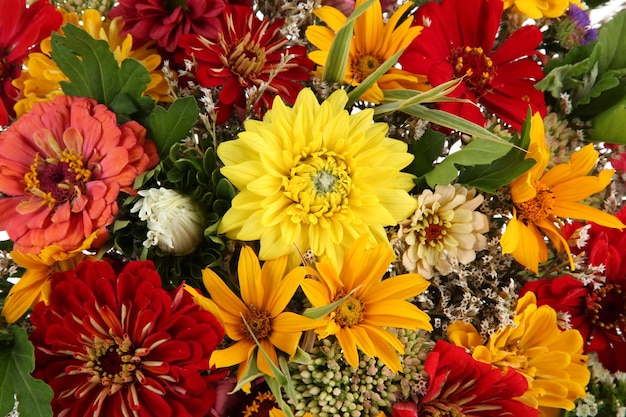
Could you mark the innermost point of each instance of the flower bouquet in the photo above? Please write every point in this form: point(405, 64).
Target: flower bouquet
point(312, 208)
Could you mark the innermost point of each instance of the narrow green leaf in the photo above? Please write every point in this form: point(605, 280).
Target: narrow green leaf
point(337, 61)
point(402, 99)
point(251, 374)
point(371, 79)
point(317, 313)
point(278, 375)
point(17, 361)
point(275, 389)
point(167, 127)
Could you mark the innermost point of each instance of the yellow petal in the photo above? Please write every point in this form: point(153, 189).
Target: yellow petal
point(348, 345)
point(464, 335)
point(331, 16)
point(225, 299)
point(233, 355)
point(401, 287)
point(396, 313)
point(249, 273)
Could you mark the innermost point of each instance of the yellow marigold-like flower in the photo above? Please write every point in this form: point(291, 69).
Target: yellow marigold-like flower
point(445, 225)
point(536, 9)
point(549, 358)
point(372, 44)
point(315, 177)
point(265, 293)
point(543, 199)
point(371, 304)
point(41, 79)
point(34, 285)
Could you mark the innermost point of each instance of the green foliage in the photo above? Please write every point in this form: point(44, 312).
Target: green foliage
point(426, 151)
point(593, 75)
point(167, 127)
point(16, 363)
point(94, 72)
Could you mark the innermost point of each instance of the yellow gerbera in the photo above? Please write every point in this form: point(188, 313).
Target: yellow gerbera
point(536, 9)
point(265, 293)
point(315, 177)
point(542, 199)
point(372, 44)
point(549, 358)
point(34, 285)
point(41, 79)
point(371, 305)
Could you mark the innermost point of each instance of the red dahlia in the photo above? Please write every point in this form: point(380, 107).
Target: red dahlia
point(458, 41)
point(249, 53)
point(120, 345)
point(164, 21)
point(459, 385)
point(21, 28)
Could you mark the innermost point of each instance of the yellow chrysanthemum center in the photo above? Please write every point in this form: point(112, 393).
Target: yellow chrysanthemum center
point(477, 68)
point(363, 65)
point(319, 186)
point(606, 307)
point(259, 321)
point(56, 180)
point(261, 405)
point(539, 207)
point(246, 58)
point(350, 312)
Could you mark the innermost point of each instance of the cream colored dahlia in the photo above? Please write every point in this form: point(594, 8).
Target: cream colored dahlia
point(445, 226)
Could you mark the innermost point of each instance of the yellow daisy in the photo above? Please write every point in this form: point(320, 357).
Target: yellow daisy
point(315, 177)
point(34, 285)
point(543, 199)
point(41, 79)
point(265, 293)
point(549, 358)
point(536, 9)
point(372, 304)
point(372, 44)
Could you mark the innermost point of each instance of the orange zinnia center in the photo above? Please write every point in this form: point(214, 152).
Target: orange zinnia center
point(477, 68)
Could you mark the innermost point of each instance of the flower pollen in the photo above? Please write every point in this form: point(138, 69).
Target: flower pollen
point(606, 307)
point(540, 206)
point(477, 68)
point(260, 323)
point(350, 312)
point(363, 65)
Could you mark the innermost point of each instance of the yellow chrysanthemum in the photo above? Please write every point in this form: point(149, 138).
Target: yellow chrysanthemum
point(372, 44)
point(34, 285)
point(549, 358)
point(536, 9)
point(41, 79)
point(315, 177)
point(372, 304)
point(265, 293)
point(542, 199)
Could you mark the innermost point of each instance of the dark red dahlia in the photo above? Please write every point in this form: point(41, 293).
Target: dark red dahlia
point(249, 53)
point(165, 21)
point(120, 345)
point(21, 30)
point(459, 385)
point(458, 41)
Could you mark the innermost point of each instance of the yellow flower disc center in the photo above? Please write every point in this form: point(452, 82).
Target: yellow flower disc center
point(606, 307)
point(476, 67)
point(319, 186)
point(539, 207)
point(247, 57)
point(364, 65)
point(350, 312)
point(57, 180)
point(259, 322)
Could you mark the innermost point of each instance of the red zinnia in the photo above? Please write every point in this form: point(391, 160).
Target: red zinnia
point(118, 346)
point(249, 53)
point(21, 28)
point(457, 41)
point(164, 21)
point(460, 385)
point(62, 167)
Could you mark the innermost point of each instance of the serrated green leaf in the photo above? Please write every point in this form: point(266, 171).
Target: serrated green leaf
point(17, 361)
point(339, 52)
point(167, 127)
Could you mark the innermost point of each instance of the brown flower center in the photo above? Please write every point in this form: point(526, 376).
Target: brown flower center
point(350, 312)
point(364, 65)
point(259, 321)
point(261, 406)
point(539, 207)
point(476, 67)
point(606, 307)
point(57, 180)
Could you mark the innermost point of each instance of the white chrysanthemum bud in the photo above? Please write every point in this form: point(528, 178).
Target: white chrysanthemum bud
point(175, 222)
point(445, 225)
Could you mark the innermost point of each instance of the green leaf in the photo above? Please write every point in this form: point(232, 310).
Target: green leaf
point(252, 373)
point(477, 152)
point(337, 61)
point(317, 313)
point(610, 125)
point(426, 150)
point(278, 375)
point(167, 127)
point(16, 363)
point(371, 79)
point(401, 99)
point(612, 37)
